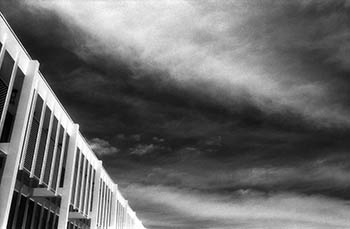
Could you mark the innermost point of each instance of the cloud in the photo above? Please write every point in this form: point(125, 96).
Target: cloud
point(102, 147)
point(231, 53)
point(142, 149)
point(327, 176)
point(247, 209)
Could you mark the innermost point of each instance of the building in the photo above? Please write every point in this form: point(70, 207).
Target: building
point(49, 176)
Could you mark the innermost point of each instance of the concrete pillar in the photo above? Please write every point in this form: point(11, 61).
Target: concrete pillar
point(15, 146)
point(68, 179)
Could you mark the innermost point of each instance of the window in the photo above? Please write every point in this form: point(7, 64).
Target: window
point(30, 213)
point(42, 143)
point(5, 75)
point(57, 159)
point(20, 214)
point(29, 154)
point(2, 164)
point(12, 210)
point(64, 161)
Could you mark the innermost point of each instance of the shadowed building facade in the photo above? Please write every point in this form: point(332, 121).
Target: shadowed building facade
point(49, 176)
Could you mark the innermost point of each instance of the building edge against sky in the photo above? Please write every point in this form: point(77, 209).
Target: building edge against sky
point(49, 176)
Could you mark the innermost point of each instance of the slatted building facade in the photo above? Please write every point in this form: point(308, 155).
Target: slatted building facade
point(49, 176)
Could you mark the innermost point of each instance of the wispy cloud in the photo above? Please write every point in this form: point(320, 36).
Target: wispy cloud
point(232, 53)
point(141, 150)
point(102, 147)
point(248, 209)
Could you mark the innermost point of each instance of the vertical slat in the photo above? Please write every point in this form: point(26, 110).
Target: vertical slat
point(38, 139)
point(90, 191)
point(82, 189)
point(52, 164)
point(117, 214)
point(88, 184)
point(80, 184)
point(75, 176)
point(109, 208)
point(33, 216)
point(48, 216)
point(25, 213)
point(18, 201)
point(104, 206)
point(61, 160)
point(46, 148)
point(39, 166)
point(119, 219)
point(99, 203)
point(54, 219)
point(41, 216)
point(77, 180)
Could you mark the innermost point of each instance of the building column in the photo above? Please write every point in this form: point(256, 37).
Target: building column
point(95, 196)
point(15, 146)
point(66, 191)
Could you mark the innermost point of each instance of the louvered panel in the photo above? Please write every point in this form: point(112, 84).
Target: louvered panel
point(3, 93)
point(50, 151)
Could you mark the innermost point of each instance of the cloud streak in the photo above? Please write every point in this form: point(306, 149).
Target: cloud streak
point(247, 209)
point(239, 52)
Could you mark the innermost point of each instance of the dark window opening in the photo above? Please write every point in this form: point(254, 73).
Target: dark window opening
point(64, 161)
point(21, 209)
point(2, 165)
point(5, 75)
point(6, 68)
point(7, 130)
point(28, 160)
point(44, 219)
point(30, 214)
point(12, 210)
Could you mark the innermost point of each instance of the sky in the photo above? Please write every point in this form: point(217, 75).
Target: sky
point(208, 114)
